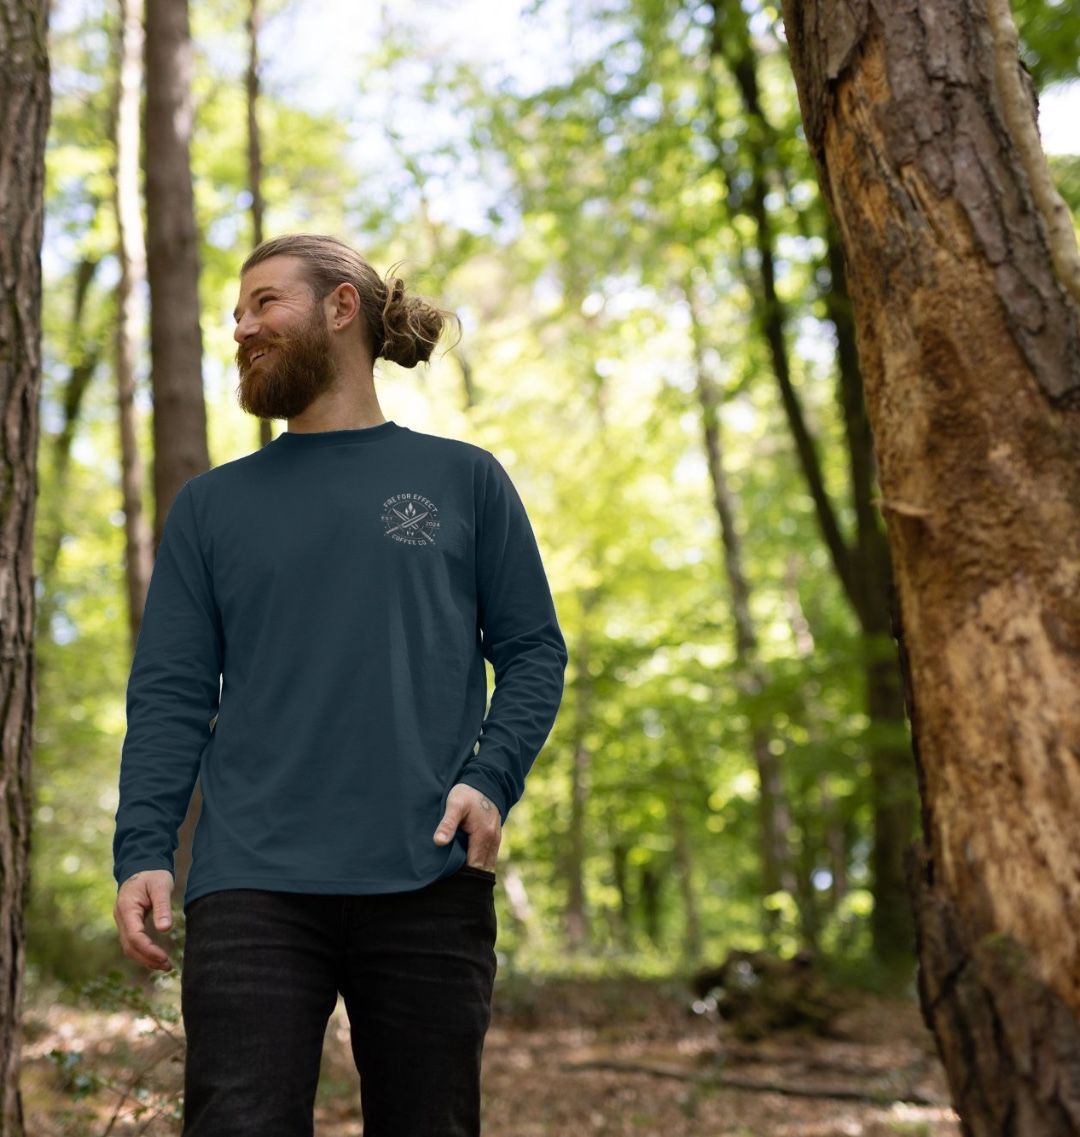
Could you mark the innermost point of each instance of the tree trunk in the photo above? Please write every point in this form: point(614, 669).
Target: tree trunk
point(24, 122)
point(180, 449)
point(254, 150)
point(575, 915)
point(575, 918)
point(921, 122)
point(131, 255)
point(893, 788)
point(620, 874)
point(50, 525)
point(774, 833)
point(690, 952)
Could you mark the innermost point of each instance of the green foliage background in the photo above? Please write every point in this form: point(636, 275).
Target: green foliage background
point(582, 210)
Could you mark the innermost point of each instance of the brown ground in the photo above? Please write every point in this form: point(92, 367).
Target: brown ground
point(615, 1058)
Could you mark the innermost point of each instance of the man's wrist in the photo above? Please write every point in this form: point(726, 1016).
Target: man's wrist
point(143, 872)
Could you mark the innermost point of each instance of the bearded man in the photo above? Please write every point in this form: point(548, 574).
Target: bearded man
point(332, 599)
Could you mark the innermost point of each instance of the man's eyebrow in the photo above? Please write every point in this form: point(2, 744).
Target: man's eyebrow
point(261, 288)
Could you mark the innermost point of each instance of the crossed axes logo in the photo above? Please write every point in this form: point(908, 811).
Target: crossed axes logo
point(410, 518)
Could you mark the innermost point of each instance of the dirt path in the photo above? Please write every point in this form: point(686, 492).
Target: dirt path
point(616, 1058)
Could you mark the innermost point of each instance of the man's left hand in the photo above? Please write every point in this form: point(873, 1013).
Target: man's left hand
point(478, 815)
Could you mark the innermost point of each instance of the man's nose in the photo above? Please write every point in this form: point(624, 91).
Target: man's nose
point(245, 328)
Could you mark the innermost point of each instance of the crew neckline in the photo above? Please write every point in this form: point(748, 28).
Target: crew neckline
point(307, 439)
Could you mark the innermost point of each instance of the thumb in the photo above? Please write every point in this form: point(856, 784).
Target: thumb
point(162, 912)
point(448, 825)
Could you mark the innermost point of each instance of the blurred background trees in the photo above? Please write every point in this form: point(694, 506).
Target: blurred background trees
point(618, 200)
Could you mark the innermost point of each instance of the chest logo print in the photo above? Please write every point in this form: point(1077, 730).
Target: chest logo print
point(411, 519)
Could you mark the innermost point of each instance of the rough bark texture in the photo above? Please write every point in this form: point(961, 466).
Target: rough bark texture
point(971, 363)
point(24, 122)
point(180, 449)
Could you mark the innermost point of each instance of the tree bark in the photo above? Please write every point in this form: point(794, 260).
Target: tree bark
point(970, 348)
point(180, 449)
point(172, 254)
point(25, 107)
point(131, 255)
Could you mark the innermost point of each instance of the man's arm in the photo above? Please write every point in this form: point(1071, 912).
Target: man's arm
point(520, 637)
point(172, 694)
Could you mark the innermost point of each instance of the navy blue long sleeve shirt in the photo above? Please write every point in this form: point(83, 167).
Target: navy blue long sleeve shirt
point(331, 598)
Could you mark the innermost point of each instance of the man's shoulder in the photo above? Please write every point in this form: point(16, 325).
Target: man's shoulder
point(226, 478)
point(222, 470)
point(450, 447)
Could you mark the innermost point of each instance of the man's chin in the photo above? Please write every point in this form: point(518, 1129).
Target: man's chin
point(254, 404)
point(261, 407)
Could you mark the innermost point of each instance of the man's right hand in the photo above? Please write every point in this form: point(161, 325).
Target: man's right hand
point(150, 890)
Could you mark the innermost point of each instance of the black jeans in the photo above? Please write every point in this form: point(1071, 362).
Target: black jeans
point(261, 975)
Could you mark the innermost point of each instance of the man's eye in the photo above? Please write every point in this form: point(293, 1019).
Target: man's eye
point(264, 299)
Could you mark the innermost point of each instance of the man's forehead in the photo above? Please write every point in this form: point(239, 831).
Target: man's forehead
point(280, 274)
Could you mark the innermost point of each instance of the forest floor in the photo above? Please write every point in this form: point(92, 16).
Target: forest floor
point(615, 1057)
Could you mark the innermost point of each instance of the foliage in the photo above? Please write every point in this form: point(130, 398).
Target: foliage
point(569, 217)
point(134, 1088)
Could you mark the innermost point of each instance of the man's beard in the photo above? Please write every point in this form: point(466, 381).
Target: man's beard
point(284, 384)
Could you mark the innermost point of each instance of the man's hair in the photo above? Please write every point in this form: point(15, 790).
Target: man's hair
point(400, 327)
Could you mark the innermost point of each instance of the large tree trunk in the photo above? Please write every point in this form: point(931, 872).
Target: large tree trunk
point(180, 449)
point(131, 255)
point(970, 344)
point(24, 123)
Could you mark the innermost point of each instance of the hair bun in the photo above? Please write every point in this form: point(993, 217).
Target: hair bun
point(411, 326)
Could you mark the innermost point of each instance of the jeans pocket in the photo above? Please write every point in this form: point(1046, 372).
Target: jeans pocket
point(473, 870)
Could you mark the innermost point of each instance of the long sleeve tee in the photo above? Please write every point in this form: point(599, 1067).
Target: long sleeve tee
point(312, 650)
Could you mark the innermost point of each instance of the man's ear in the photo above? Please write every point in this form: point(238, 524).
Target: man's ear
point(344, 305)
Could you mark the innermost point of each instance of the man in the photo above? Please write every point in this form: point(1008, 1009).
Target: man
point(331, 598)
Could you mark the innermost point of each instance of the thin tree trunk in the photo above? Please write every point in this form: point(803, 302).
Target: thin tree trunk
point(50, 527)
point(131, 255)
point(620, 873)
point(25, 108)
point(575, 917)
point(921, 122)
point(650, 885)
point(775, 816)
point(180, 449)
point(692, 942)
point(254, 150)
point(863, 571)
point(891, 770)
